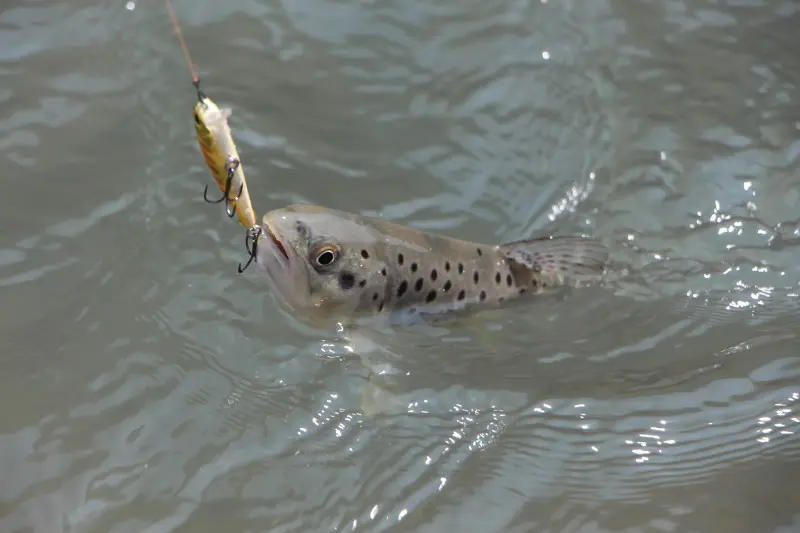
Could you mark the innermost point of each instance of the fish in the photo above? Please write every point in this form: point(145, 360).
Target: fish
point(324, 264)
point(216, 143)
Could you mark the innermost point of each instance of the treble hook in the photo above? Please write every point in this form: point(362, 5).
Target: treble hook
point(251, 245)
point(230, 165)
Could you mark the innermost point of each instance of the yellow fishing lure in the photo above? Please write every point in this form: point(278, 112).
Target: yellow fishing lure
point(216, 143)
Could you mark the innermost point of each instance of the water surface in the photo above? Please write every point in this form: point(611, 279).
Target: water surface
point(147, 387)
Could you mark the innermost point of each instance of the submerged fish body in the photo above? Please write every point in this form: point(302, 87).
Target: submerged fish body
point(323, 263)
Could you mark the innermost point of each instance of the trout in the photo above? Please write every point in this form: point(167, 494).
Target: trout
point(327, 264)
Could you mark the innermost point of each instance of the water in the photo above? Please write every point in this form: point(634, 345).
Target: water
point(147, 387)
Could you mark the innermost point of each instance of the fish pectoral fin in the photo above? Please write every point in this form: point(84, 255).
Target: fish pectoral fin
point(559, 256)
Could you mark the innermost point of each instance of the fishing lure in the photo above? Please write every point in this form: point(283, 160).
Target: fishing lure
point(219, 151)
point(217, 145)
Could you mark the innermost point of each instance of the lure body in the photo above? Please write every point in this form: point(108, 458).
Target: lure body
point(219, 150)
point(216, 142)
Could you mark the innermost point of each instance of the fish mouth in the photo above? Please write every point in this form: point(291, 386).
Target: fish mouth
point(277, 243)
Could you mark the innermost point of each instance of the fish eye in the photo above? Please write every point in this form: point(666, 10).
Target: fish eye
point(196, 118)
point(324, 255)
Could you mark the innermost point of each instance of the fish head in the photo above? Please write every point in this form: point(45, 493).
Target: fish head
point(321, 262)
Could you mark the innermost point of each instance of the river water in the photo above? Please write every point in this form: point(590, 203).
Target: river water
point(146, 386)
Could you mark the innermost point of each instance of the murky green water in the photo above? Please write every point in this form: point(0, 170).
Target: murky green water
point(145, 386)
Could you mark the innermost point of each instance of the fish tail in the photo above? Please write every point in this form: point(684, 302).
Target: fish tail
point(559, 256)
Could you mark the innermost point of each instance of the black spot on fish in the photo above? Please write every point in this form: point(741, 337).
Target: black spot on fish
point(434, 275)
point(365, 254)
point(544, 285)
point(447, 266)
point(447, 285)
point(497, 277)
point(413, 267)
point(380, 306)
point(534, 283)
point(482, 295)
point(480, 252)
point(522, 290)
point(430, 297)
point(418, 285)
point(375, 297)
point(362, 283)
point(509, 280)
point(461, 294)
point(301, 229)
point(460, 268)
point(400, 259)
point(401, 290)
point(475, 277)
point(383, 272)
point(346, 281)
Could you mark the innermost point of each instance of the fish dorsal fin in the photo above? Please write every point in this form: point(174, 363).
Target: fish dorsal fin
point(558, 256)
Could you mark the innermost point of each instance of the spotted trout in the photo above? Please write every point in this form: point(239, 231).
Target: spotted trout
point(323, 264)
